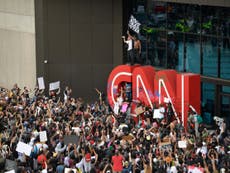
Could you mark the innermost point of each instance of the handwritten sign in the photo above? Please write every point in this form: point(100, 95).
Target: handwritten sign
point(41, 83)
point(158, 114)
point(54, 85)
point(23, 148)
point(43, 136)
point(182, 144)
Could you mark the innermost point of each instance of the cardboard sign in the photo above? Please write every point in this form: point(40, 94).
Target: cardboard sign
point(54, 85)
point(23, 148)
point(73, 139)
point(43, 136)
point(41, 83)
point(158, 114)
point(182, 144)
point(165, 146)
point(139, 110)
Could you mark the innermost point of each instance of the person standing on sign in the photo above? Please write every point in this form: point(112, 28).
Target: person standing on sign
point(130, 43)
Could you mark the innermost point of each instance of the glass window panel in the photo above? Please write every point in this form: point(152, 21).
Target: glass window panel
point(225, 59)
point(208, 101)
point(175, 20)
point(158, 13)
point(192, 53)
point(208, 20)
point(210, 56)
point(180, 52)
point(225, 106)
point(192, 18)
point(226, 89)
point(157, 49)
point(172, 49)
point(225, 24)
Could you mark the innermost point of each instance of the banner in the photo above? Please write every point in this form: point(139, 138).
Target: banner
point(134, 24)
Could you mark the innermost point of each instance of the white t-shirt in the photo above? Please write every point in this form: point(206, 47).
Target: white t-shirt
point(130, 44)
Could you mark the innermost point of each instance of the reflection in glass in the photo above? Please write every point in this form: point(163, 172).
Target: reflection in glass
point(208, 97)
point(225, 63)
point(210, 56)
point(192, 53)
point(225, 106)
point(159, 49)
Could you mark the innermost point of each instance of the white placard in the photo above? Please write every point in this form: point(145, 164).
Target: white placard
point(12, 171)
point(23, 148)
point(166, 100)
point(41, 83)
point(43, 136)
point(116, 108)
point(193, 169)
point(158, 114)
point(182, 144)
point(54, 85)
point(69, 169)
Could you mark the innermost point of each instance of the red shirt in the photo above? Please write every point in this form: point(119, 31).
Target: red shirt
point(117, 163)
point(41, 160)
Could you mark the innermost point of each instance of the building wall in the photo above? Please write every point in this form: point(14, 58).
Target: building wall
point(81, 40)
point(17, 45)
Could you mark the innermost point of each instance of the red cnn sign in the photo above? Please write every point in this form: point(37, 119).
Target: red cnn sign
point(149, 86)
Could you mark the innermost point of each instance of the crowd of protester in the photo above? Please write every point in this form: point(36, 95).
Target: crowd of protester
point(107, 142)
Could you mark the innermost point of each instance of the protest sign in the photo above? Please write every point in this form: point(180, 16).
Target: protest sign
point(43, 136)
point(116, 108)
point(41, 83)
point(124, 107)
point(166, 100)
point(23, 148)
point(182, 144)
point(54, 85)
point(67, 170)
point(139, 110)
point(158, 114)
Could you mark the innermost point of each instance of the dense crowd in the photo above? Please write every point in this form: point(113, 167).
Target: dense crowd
point(106, 142)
